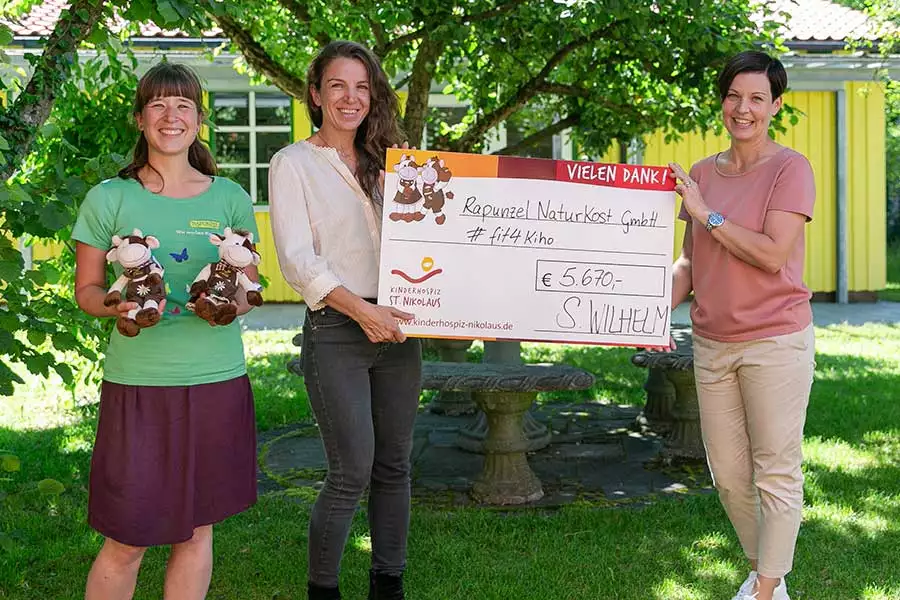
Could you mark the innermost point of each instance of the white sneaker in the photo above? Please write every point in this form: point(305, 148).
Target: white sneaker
point(747, 587)
point(780, 592)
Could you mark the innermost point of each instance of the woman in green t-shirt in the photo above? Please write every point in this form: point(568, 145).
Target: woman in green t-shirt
point(176, 443)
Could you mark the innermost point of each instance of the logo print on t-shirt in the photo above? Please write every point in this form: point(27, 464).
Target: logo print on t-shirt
point(205, 224)
point(179, 256)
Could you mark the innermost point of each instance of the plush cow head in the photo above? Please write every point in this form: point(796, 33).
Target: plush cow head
point(407, 169)
point(434, 170)
point(133, 250)
point(236, 247)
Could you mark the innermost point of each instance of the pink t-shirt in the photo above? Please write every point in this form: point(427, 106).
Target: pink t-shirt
point(733, 300)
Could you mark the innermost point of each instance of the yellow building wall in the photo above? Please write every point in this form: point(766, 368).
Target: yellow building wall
point(278, 289)
point(815, 136)
point(867, 228)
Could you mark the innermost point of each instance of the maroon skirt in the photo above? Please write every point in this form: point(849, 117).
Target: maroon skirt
point(169, 459)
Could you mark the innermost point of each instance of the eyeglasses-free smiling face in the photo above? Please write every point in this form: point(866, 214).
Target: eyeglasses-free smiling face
point(748, 107)
point(344, 94)
point(170, 124)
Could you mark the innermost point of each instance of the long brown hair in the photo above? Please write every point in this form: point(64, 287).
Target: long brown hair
point(163, 80)
point(380, 129)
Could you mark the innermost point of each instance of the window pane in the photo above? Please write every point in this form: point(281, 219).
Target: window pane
point(451, 115)
point(518, 128)
point(232, 147)
point(273, 109)
point(262, 186)
point(230, 109)
point(238, 175)
point(268, 143)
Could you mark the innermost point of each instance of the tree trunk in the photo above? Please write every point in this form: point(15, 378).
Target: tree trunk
point(259, 59)
point(31, 109)
point(419, 89)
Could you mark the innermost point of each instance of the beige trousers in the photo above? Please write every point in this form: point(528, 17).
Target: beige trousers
point(753, 398)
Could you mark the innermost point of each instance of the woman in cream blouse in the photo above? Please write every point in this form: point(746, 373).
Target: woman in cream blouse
point(362, 373)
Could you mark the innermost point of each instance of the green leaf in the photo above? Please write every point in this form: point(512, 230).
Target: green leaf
point(51, 273)
point(4, 145)
point(10, 463)
point(49, 130)
point(37, 277)
point(168, 12)
point(99, 36)
point(6, 35)
point(116, 44)
point(64, 341)
point(39, 364)
point(65, 372)
point(6, 543)
point(7, 342)
point(53, 217)
point(50, 487)
point(36, 337)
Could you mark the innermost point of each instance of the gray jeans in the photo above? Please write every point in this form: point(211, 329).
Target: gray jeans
point(365, 397)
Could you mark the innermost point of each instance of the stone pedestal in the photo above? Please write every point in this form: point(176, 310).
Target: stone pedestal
point(657, 413)
point(670, 382)
point(504, 393)
point(449, 402)
point(537, 436)
point(686, 439)
point(506, 477)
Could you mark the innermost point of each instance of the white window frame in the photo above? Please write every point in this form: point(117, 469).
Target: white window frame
point(252, 129)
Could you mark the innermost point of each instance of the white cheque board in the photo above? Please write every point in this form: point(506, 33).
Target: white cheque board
point(504, 248)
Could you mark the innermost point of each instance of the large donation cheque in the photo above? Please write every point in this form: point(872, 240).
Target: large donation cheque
point(504, 248)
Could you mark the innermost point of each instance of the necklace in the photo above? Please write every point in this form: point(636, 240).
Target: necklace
point(346, 157)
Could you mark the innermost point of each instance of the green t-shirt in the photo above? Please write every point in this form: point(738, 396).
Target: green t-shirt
point(182, 349)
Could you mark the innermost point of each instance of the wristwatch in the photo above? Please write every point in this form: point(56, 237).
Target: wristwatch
point(714, 220)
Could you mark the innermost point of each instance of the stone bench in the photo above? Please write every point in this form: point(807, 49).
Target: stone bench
point(672, 408)
point(504, 393)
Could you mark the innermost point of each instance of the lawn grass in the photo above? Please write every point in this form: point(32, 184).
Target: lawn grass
point(672, 549)
point(891, 292)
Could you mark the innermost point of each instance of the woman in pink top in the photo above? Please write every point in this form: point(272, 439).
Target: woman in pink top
point(742, 256)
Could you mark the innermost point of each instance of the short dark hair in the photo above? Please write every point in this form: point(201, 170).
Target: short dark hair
point(752, 61)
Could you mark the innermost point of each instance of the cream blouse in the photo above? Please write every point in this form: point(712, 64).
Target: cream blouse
point(327, 231)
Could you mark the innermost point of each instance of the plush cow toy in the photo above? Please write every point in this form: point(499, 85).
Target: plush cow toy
point(214, 289)
point(141, 282)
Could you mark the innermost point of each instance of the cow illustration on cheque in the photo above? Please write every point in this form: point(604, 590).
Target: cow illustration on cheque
point(420, 189)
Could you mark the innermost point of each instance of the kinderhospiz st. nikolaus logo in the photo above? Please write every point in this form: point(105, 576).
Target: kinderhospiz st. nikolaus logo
point(427, 267)
point(421, 190)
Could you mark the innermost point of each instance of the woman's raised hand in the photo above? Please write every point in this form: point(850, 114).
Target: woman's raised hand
point(690, 193)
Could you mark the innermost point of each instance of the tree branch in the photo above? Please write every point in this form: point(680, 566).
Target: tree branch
point(527, 91)
point(377, 31)
point(32, 108)
point(562, 89)
point(301, 11)
point(460, 19)
point(539, 136)
point(259, 59)
point(419, 88)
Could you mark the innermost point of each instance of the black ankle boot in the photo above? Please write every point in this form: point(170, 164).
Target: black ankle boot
point(317, 592)
point(383, 586)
